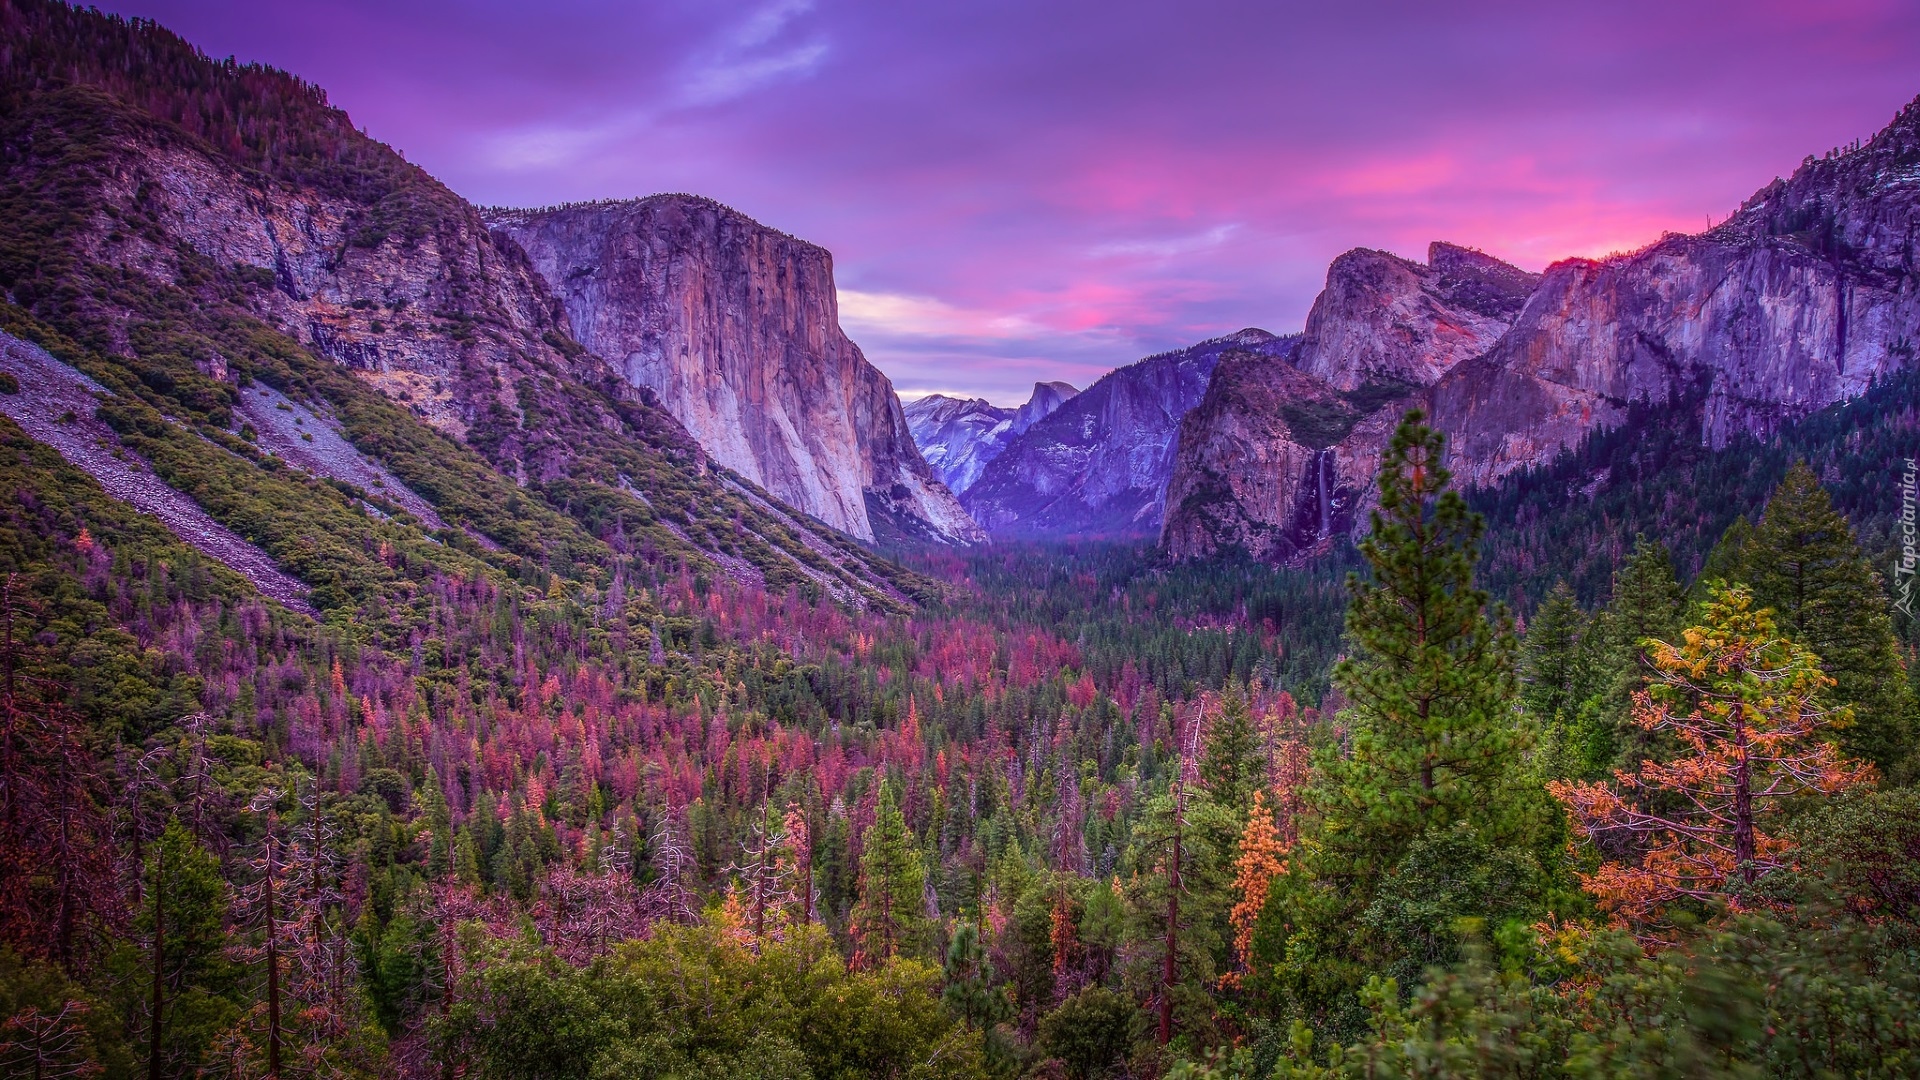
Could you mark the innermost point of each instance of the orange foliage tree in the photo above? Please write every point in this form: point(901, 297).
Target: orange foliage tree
point(1261, 859)
point(1746, 706)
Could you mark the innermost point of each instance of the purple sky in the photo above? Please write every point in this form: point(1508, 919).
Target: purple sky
point(1023, 189)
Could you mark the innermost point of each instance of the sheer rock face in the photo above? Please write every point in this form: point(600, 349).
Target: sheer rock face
point(735, 328)
point(1273, 463)
point(1278, 459)
point(1798, 301)
point(959, 436)
point(1387, 321)
point(1100, 464)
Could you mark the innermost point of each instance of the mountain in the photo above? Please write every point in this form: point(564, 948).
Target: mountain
point(1800, 300)
point(1100, 463)
point(1279, 456)
point(958, 436)
point(1046, 400)
point(208, 250)
point(1386, 321)
point(734, 327)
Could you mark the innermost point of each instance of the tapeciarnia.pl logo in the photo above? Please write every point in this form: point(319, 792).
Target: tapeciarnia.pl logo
point(1903, 569)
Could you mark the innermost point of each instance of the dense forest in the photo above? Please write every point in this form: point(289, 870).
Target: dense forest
point(1606, 770)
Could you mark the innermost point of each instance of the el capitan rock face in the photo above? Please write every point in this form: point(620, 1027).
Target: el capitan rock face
point(1100, 463)
point(958, 436)
point(734, 327)
point(1798, 301)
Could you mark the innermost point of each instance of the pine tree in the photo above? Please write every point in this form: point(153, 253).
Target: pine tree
point(1435, 745)
point(1261, 859)
point(466, 859)
point(886, 921)
point(1232, 767)
point(1430, 680)
point(440, 856)
point(184, 919)
point(1727, 562)
point(1550, 656)
point(1804, 563)
point(1646, 606)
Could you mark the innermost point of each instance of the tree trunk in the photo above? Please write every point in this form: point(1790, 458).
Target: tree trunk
point(273, 972)
point(1170, 965)
point(1743, 840)
point(159, 962)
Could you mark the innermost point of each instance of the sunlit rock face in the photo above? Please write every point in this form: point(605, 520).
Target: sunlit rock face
point(1383, 320)
point(1278, 458)
point(1798, 301)
point(734, 327)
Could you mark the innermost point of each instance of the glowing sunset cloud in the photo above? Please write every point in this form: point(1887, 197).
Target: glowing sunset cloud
point(1024, 190)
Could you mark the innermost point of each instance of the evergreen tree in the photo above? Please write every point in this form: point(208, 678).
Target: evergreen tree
point(1434, 749)
point(440, 824)
point(1647, 605)
point(1550, 655)
point(1232, 767)
point(1727, 562)
point(191, 983)
point(1430, 679)
point(1803, 562)
point(887, 919)
point(466, 861)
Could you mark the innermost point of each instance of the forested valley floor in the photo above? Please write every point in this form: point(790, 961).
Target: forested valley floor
point(1082, 815)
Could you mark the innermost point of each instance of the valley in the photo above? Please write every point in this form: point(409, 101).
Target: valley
point(444, 640)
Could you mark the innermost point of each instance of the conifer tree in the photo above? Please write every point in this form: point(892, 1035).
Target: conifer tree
point(1260, 860)
point(886, 920)
point(1430, 678)
point(1550, 655)
point(440, 856)
point(1646, 605)
point(1727, 562)
point(1803, 562)
point(1435, 742)
point(1743, 702)
point(184, 919)
point(1232, 767)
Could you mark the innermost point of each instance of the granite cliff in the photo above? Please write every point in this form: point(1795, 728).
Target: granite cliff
point(1278, 458)
point(252, 288)
point(734, 328)
point(1802, 299)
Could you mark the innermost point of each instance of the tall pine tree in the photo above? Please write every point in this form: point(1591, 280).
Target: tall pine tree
point(1430, 679)
point(887, 919)
point(1803, 562)
point(1434, 753)
point(1232, 767)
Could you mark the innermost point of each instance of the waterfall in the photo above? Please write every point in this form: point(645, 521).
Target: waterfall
point(1323, 477)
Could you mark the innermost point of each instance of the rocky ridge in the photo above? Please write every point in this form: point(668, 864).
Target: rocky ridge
point(1800, 300)
point(220, 226)
point(1100, 464)
point(1277, 460)
point(959, 436)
